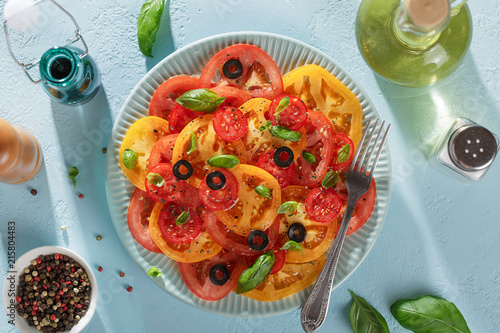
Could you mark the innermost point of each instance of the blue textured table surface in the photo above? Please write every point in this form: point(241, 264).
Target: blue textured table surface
point(440, 237)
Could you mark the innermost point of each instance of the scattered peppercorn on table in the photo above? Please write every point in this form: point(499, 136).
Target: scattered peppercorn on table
point(439, 238)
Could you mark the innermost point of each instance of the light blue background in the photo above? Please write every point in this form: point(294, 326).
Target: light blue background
point(440, 237)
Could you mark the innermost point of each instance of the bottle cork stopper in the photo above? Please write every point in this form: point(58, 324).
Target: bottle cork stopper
point(428, 13)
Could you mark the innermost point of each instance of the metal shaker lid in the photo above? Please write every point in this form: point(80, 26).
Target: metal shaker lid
point(472, 147)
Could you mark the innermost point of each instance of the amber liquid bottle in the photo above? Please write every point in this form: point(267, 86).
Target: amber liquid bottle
point(20, 154)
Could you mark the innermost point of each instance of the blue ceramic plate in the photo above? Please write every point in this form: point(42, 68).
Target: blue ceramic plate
point(288, 54)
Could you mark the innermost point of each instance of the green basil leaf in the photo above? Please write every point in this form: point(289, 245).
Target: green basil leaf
point(284, 133)
point(191, 146)
point(73, 172)
point(292, 246)
point(257, 273)
point(310, 158)
point(148, 24)
point(288, 207)
point(429, 314)
point(282, 105)
point(365, 318)
point(182, 218)
point(343, 154)
point(200, 100)
point(154, 272)
point(129, 159)
point(263, 191)
point(224, 161)
point(331, 178)
point(155, 179)
point(264, 127)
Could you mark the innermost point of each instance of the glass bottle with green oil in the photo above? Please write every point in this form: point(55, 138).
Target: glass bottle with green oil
point(413, 42)
point(69, 76)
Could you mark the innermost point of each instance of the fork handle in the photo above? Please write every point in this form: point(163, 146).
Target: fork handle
point(315, 308)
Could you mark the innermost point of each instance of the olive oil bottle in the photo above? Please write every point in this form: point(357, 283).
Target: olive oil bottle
point(413, 42)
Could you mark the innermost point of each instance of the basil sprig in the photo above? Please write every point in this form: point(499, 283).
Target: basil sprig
point(73, 172)
point(148, 24)
point(155, 179)
point(191, 146)
point(182, 218)
point(254, 275)
point(310, 158)
point(154, 272)
point(200, 100)
point(292, 246)
point(288, 207)
point(343, 154)
point(284, 133)
point(331, 178)
point(263, 191)
point(429, 314)
point(224, 161)
point(129, 159)
point(365, 318)
point(282, 105)
point(266, 126)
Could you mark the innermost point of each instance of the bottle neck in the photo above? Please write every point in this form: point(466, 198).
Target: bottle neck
point(60, 67)
point(417, 24)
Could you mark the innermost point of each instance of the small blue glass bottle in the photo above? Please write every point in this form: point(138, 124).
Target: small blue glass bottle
point(69, 76)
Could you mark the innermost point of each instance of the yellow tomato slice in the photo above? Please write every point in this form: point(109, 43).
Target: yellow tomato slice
point(201, 248)
point(257, 142)
point(322, 91)
point(141, 137)
point(319, 235)
point(252, 211)
point(290, 279)
point(208, 144)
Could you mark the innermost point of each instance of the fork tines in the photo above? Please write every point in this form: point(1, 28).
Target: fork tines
point(361, 164)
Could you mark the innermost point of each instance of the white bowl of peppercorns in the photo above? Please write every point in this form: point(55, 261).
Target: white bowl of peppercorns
point(50, 289)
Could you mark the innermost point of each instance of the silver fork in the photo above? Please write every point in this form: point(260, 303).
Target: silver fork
point(315, 308)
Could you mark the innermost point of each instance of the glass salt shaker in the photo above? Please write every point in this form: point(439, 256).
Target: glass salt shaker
point(466, 151)
point(67, 73)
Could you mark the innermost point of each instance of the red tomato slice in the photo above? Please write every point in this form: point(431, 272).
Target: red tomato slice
point(180, 117)
point(230, 123)
point(171, 190)
point(340, 140)
point(179, 234)
point(190, 197)
point(162, 150)
point(319, 135)
point(222, 199)
point(138, 213)
point(293, 117)
point(163, 100)
point(256, 67)
point(233, 242)
point(283, 175)
point(364, 207)
point(197, 275)
point(234, 96)
point(323, 205)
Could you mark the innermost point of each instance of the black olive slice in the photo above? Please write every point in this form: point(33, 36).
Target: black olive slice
point(279, 162)
point(232, 69)
point(219, 274)
point(258, 246)
point(216, 175)
point(178, 173)
point(297, 232)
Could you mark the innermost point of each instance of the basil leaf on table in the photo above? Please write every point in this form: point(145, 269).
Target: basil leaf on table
point(429, 314)
point(224, 161)
point(254, 275)
point(148, 24)
point(73, 172)
point(284, 133)
point(365, 318)
point(200, 100)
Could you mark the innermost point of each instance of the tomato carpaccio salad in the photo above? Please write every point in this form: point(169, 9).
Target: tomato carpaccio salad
point(240, 174)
